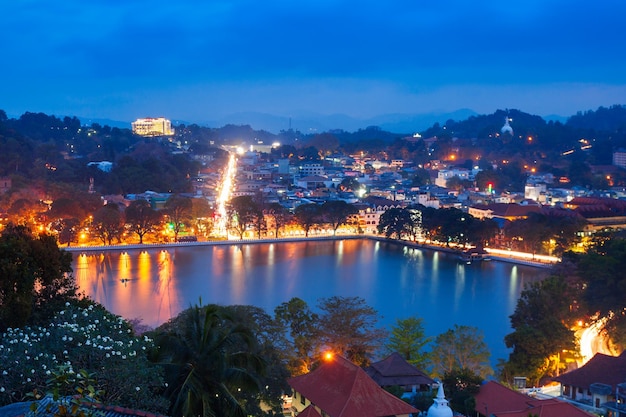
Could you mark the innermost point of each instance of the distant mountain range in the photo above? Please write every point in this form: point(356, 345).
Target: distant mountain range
point(316, 123)
point(312, 123)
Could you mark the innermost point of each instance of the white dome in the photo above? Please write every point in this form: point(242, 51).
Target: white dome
point(440, 407)
point(507, 127)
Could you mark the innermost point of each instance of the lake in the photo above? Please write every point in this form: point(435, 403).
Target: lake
point(397, 280)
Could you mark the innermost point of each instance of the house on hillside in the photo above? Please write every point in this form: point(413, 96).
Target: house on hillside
point(597, 382)
point(496, 400)
point(339, 388)
point(395, 371)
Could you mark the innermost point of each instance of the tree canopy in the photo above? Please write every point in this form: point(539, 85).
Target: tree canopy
point(35, 277)
point(462, 347)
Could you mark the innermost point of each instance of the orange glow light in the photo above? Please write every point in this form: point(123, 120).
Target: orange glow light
point(328, 356)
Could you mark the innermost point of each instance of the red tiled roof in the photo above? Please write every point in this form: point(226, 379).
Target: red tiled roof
point(497, 400)
point(604, 369)
point(309, 411)
point(342, 389)
point(394, 370)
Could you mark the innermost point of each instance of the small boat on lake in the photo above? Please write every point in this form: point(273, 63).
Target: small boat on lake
point(474, 255)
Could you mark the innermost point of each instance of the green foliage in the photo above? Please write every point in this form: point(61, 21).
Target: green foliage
point(541, 323)
point(210, 358)
point(308, 216)
point(533, 233)
point(34, 277)
point(398, 223)
point(141, 218)
point(409, 339)
point(244, 212)
point(301, 344)
point(348, 327)
point(72, 395)
point(279, 216)
point(462, 347)
point(178, 209)
point(81, 337)
point(461, 386)
point(108, 224)
point(273, 375)
point(337, 213)
point(603, 272)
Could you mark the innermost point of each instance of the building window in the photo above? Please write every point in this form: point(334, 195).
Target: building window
point(302, 399)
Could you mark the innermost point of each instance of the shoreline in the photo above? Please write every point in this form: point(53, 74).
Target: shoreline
point(410, 244)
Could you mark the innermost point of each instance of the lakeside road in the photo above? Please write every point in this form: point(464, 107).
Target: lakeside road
point(519, 258)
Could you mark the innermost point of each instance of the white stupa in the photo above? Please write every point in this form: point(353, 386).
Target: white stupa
point(507, 127)
point(440, 407)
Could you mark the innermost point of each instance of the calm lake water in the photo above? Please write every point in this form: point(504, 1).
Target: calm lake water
point(396, 280)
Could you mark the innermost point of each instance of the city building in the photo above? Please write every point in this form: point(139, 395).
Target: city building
point(444, 175)
point(619, 158)
point(151, 126)
point(596, 382)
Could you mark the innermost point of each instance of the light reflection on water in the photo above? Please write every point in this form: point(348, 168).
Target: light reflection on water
point(397, 281)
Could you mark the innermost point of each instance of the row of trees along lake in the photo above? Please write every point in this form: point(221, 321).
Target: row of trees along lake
point(228, 360)
point(250, 216)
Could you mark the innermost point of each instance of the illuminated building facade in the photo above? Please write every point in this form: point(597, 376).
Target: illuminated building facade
point(153, 126)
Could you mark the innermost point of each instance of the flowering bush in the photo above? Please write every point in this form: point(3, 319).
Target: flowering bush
point(82, 338)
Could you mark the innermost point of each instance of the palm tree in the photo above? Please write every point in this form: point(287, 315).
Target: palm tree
point(208, 363)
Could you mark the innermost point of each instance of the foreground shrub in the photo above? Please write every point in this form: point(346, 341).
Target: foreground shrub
point(82, 338)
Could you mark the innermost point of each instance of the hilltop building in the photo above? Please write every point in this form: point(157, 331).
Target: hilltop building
point(150, 127)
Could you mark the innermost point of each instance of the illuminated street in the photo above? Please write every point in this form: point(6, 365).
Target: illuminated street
point(224, 195)
point(593, 340)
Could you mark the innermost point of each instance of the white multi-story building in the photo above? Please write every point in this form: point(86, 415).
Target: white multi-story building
point(619, 158)
point(445, 174)
point(152, 126)
point(311, 169)
point(536, 191)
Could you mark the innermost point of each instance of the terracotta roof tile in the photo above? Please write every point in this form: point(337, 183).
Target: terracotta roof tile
point(604, 369)
point(497, 400)
point(394, 370)
point(342, 389)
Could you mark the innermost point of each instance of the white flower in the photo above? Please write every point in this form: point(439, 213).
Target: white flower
point(137, 388)
point(1, 389)
point(108, 355)
point(27, 379)
point(67, 304)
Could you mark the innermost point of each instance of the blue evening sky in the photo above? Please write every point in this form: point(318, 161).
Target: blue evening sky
point(198, 60)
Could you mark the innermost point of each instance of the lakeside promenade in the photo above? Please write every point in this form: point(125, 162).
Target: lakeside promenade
point(519, 258)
